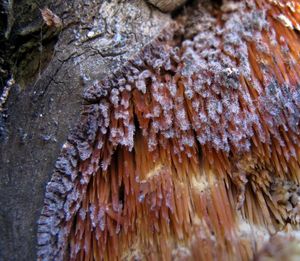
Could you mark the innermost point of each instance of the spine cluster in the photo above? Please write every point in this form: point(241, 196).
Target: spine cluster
point(205, 118)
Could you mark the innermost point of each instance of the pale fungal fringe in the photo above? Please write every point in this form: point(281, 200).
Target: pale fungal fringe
point(5, 93)
point(191, 151)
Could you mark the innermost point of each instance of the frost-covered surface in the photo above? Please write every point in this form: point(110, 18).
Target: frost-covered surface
point(225, 82)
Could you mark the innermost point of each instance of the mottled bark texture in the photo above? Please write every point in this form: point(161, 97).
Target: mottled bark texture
point(51, 66)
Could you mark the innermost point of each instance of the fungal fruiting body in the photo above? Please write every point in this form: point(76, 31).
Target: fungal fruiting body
point(51, 19)
point(167, 5)
point(191, 150)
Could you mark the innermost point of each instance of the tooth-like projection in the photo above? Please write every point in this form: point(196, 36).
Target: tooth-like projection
point(167, 5)
point(191, 150)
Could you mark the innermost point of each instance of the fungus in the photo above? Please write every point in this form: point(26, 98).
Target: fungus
point(51, 19)
point(191, 150)
point(167, 5)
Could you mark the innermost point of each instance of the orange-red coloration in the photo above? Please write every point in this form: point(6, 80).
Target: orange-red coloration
point(191, 151)
point(51, 19)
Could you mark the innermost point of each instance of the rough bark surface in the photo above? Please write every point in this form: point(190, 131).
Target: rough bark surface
point(97, 37)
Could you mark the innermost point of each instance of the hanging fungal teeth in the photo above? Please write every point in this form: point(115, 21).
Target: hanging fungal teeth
point(194, 140)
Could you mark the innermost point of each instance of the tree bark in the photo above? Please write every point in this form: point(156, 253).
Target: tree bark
point(51, 68)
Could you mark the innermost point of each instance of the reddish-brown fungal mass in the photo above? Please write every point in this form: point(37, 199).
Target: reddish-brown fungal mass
point(191, 150)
